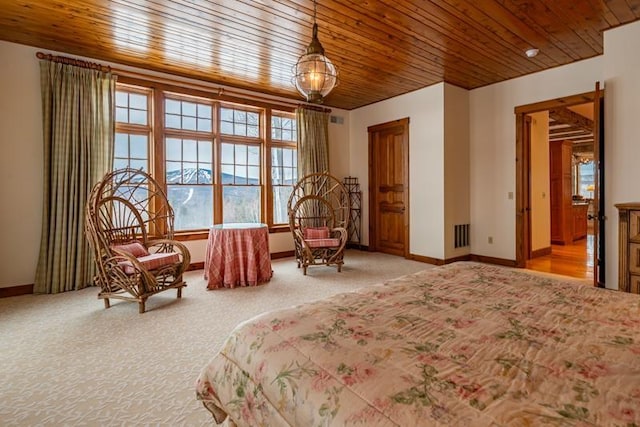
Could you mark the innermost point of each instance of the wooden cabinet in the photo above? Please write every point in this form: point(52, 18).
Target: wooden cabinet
point(561, 192)
point(580, 220)
point(629, 247)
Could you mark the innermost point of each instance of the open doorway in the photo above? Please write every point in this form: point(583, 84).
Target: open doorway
point(559, 186)
point(561, 190)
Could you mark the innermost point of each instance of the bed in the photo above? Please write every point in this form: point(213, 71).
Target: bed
point(463, 344)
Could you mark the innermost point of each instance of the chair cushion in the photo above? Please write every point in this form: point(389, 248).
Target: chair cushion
point(152, 262)
point(316, 233)
point(134, 248)
point(323, 243)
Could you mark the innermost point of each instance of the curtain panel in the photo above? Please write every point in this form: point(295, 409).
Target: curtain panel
point(78, 129)
point(313, 141)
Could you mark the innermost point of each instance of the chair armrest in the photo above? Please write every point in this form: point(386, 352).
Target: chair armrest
point(340, 230)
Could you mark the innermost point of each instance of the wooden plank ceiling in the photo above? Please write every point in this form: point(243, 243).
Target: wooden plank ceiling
point(382, 48)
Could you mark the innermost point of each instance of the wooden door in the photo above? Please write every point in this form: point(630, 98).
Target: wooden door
point(528, 229)
point(389, 187)
point(598, 193)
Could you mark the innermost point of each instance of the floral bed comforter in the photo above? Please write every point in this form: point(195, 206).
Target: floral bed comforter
point(466, 344)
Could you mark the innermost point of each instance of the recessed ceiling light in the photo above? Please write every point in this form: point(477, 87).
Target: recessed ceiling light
point(532, 52)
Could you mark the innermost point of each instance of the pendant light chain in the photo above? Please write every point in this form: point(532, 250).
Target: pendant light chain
point(314, 75)
point(315, 10)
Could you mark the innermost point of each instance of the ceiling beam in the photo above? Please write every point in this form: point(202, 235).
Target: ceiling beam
point(574, 140)
point(583, 147)
point(571, 129)
point(564, 115)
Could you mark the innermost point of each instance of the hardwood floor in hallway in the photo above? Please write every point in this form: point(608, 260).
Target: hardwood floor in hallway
point(574, 260)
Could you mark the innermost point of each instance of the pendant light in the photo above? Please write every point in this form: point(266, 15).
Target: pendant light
point(314, 75)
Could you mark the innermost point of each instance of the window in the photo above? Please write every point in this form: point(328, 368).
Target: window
point(188, 148)
point(133, 133)
point(218, 162)
point(188, 115)
point(284, 127)
point(240, 183)
point(284, 163)
point(585, 179)
point(239, 122)
point(240, 164)
point(131, 145)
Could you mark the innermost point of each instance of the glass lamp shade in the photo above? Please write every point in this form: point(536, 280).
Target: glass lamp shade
point(314, 76)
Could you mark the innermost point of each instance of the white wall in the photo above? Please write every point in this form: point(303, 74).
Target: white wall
point(622, 132)
point(339, 144)
point(456, 166)
point(21, 164)
point(540, 181)
point(21, 178)
point(492, 147)
point(425, 109)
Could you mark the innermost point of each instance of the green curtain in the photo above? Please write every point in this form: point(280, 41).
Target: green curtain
point(78, 126)
point(313, 141)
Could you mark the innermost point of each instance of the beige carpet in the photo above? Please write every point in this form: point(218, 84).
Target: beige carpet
point(65, 360)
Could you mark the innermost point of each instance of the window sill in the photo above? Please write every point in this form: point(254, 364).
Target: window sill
point(186, 236)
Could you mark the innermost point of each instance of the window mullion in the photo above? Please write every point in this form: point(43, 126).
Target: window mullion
point(267, 206)
point(217, 166)
point(158, 152)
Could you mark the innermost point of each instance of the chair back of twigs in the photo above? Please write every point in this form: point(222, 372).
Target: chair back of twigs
point(125, 206)
point(318, 200)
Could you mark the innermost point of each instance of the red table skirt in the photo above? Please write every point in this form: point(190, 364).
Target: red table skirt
point(237, 255)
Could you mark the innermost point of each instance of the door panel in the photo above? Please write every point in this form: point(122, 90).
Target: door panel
point(388, 222)
point(598, 194)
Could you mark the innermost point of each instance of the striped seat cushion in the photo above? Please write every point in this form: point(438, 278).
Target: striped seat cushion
point(152, 262)
point(323, 243)
point(316, 233)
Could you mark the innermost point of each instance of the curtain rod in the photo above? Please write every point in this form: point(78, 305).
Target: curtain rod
point(205, 86)
point(133, 74)
point(314, 108)
point(75, 62)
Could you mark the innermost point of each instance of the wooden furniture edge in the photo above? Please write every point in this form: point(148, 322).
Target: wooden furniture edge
point(541, 252)
point(14, 291)
point(285, 254)
point(196, 266)
point(438, 261)
point(493, 260)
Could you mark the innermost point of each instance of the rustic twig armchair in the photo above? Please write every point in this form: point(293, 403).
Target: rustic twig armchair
point(318, 218)
point(129, 225)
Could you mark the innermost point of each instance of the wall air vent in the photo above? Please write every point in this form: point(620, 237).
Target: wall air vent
point(337, 119)
point(461, 235)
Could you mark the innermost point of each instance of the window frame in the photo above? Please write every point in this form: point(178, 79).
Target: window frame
point(186, 134)
point(577, 179)
point(160, 91)
point(277, 143)
point(137, 129)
